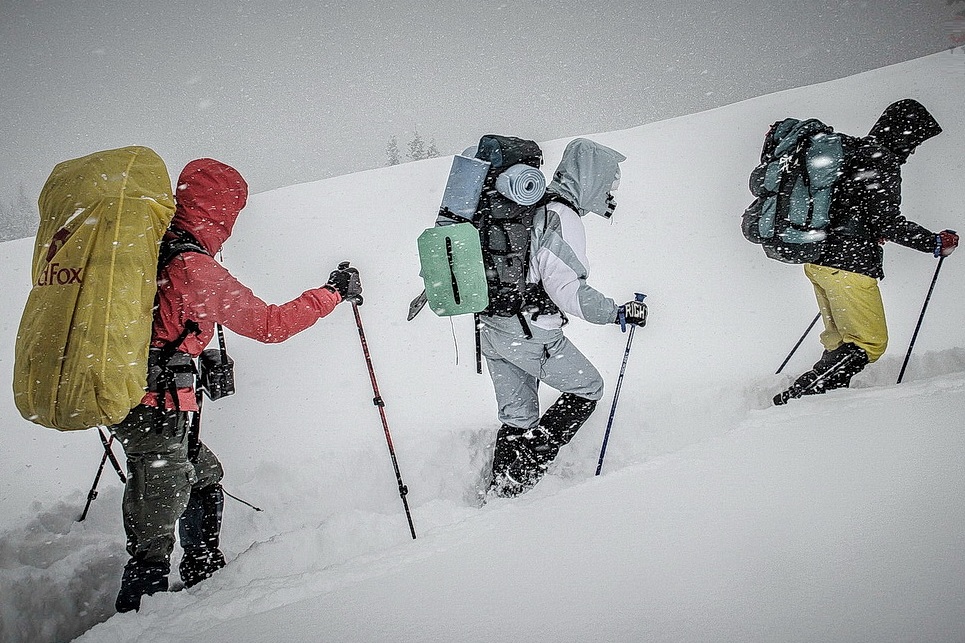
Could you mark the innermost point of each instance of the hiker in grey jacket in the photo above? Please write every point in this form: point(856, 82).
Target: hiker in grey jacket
point(527, 443)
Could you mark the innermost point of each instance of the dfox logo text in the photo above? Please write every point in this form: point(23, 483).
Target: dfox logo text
point(54, 274)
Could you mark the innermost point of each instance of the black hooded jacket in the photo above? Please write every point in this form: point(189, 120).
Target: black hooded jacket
point(865, 209)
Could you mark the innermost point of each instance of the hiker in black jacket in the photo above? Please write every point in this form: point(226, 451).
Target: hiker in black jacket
point(865, 213)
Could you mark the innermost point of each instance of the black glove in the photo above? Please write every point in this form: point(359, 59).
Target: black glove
point(632, 312)
point(345, 281)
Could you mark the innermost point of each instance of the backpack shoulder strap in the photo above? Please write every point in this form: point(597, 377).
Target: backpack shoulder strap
point(179, 242)
point(553, 197)
point(171, 246)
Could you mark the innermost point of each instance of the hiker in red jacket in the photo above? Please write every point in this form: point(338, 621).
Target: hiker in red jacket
point(165, 483)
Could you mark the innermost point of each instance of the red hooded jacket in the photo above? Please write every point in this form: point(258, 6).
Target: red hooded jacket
point(195, 287)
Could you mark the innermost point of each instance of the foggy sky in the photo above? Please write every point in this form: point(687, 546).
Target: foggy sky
point(297, 91)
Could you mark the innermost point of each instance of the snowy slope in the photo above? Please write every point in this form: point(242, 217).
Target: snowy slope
point(718, 518)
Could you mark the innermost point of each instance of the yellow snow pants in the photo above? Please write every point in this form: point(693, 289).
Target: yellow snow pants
point(851, 309)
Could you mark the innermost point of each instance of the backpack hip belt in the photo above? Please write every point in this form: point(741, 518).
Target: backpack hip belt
point(177, 371)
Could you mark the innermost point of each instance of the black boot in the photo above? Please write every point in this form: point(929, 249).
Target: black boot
point(834, 370)
point(840, 377)
point(534, 452)
point(508, 450)
point(200, 533)
point(564, 418)
point(140, 579)
point(530, 453)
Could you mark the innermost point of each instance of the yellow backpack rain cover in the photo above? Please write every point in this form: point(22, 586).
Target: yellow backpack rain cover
point(81, 355)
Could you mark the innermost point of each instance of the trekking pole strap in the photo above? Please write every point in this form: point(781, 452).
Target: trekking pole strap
point(244, 502)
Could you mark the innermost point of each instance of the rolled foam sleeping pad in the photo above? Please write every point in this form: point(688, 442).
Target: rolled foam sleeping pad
point(522, 183)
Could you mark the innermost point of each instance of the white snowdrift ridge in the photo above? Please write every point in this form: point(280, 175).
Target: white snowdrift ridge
point(837, 518)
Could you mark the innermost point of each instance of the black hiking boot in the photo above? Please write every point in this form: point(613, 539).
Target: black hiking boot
point(199, 564)
point(200, 531)
point(140, 579)
point(516, 466)
point(522, 457)
point(834, 370)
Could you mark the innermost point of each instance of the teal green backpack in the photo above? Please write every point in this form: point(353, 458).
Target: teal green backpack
point(794, 185)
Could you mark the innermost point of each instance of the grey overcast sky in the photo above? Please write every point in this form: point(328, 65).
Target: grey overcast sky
point(301, 90)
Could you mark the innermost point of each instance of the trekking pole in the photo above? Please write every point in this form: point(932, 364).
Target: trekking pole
point(799, 342)
point(244, 502)
point(194, 433)
point(403, 490)
point(108, 454)
point(616, 393)
point(920, 318)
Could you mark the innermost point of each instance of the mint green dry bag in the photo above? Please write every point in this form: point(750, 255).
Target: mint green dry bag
point(452, 269)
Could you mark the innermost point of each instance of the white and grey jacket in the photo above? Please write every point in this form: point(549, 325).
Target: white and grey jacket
point(558, 260)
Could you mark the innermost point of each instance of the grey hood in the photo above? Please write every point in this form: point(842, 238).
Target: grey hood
point(586, 174)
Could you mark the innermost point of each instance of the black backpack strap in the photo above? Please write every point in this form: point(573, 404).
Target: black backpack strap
point(176, 242)
point(553, 197)
point(194, 433)
point(167, 380)
point(180, 241)
point(170, 348)
point(475, 323)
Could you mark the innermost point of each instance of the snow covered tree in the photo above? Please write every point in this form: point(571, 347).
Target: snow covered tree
point(18, 216)
point(393, 151)
point(417, 148)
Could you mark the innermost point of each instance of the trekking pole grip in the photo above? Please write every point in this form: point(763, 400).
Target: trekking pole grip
point(621, 312)
point(357, 300)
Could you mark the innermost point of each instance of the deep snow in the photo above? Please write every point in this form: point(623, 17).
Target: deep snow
point(717, 517)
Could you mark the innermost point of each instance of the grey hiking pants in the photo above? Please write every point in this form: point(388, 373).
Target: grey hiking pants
point(517, 365)
point(159, 478)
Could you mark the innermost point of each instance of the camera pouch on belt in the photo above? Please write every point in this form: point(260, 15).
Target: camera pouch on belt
point(217, 373)
point(217, 370)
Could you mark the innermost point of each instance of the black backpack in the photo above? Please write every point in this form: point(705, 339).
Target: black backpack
point(481, 240)
point(476, 258)
point(505, 228)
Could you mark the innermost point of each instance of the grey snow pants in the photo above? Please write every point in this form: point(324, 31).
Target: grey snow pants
point(159, 478)
point(517, 365)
